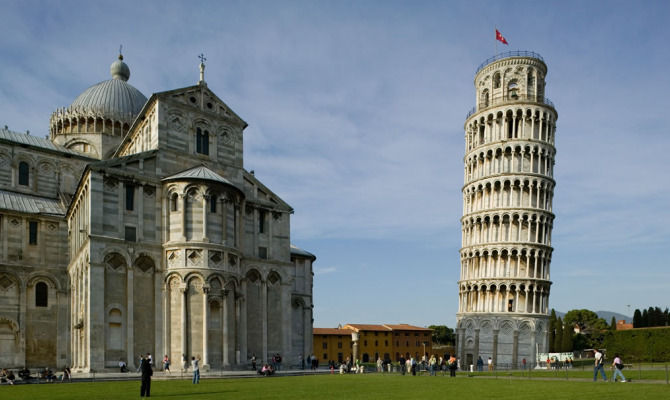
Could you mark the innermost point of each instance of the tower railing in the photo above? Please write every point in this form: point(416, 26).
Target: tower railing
point(507, 54)
point(509, 98)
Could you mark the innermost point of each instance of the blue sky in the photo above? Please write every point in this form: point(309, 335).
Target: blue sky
point(356, 112)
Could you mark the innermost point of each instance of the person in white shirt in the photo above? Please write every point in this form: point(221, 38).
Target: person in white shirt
point(598, 366)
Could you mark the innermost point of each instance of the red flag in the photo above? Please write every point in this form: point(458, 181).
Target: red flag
point(500, 37)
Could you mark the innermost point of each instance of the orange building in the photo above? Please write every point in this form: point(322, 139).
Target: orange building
point(621, 325)
point(386, 341)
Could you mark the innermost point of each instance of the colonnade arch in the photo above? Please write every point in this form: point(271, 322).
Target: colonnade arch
point(520, 262)
point(513, 226)
point(531, 123)
point(506, 192)
point(509, 158)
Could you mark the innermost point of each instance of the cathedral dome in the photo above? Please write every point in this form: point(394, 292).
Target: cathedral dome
point(114, 98)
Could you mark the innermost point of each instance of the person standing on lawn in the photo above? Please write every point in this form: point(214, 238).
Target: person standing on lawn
point(147, 372)
point(195, 364)
point(617, 364)
point(598, 366)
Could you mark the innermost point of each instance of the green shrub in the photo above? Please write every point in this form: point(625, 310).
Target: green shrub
point(645, 344)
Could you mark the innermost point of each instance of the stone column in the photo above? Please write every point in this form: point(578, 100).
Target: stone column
point(224, 219)
point(533, 352)
point(184, 201)
point(242, 326)
point(476, 350)
point(184, 323)
point(130, 331)
point(159, 293)
point(307, 331)
point(515, 350)
point(205, 328)
point(264, 318)
point(205, 200)
point(63, 328)
point(460, 345)
point(23, 302)
point(495, 348)
point(95, 340)
point(286, 325)
point(226, 320)
point(140, 213)
point(167, 328)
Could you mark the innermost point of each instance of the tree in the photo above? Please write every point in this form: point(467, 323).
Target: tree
point(637, 319)
point(613, 324)
point(443, 334)
point(568, 332)
point(590, 325)
point(552, 331)
point(558, 338)
point(645, 318)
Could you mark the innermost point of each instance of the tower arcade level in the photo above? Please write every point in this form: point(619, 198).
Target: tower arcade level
point(507, 218)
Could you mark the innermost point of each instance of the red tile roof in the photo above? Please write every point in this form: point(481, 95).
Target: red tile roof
point(406, 327)
point(331, 331)
point(367, 327)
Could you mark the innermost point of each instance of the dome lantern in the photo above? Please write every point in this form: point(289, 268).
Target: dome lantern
point(119, 69)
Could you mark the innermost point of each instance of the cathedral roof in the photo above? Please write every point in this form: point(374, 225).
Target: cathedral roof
point(114, 98)
point(26, 203)
point(200, 172)
point(298, 251)
point(34, 141)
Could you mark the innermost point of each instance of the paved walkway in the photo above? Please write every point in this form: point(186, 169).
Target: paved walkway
point(160, 375)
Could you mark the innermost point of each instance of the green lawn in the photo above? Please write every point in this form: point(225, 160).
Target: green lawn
point(348, 387)
point(656, 374)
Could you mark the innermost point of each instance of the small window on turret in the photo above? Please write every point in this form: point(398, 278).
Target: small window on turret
point(212, 204)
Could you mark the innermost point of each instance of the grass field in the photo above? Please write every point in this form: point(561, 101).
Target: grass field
point(348, 387)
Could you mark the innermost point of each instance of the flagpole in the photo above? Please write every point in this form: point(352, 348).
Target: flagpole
point(496, 53)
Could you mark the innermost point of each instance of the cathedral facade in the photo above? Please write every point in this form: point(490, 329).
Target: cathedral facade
point(134, 228)
point(507, 213)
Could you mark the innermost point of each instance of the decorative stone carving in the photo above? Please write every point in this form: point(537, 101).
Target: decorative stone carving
point(194, 257)
point(215, 258)
point(5, 282)
point(173, 257)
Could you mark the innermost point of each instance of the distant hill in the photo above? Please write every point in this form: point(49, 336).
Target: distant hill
point(606, 315)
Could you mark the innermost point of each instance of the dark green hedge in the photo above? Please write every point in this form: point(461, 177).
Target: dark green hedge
point(650, 344)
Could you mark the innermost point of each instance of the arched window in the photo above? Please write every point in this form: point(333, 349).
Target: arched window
point(485, 98)
point(41, 295)
point(24, 173)
point(202, 141)
point(512, 89)
point(496, 80)
point(212, 204)
point(173, 202)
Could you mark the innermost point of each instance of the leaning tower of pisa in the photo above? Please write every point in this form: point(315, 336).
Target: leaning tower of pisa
point(507, 213)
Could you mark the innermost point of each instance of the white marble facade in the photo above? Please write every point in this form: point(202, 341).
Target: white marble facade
point(158, 239)
point(507, 213)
